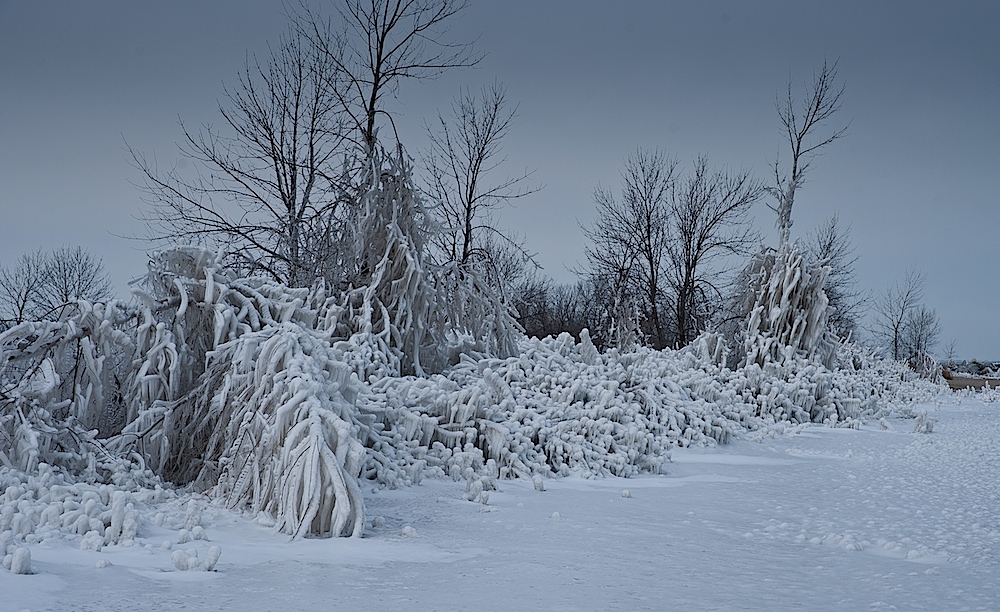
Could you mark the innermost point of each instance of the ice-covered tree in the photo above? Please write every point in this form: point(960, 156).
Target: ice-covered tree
point(62, 386)
point(788, 315)
point(785, 302)
point(276, 185)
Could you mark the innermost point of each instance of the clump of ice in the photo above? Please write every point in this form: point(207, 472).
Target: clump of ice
point(20, 562)
point(408, 532)
point(92, 540)
point(187, 560)
point(923, 423)
point(211, 558)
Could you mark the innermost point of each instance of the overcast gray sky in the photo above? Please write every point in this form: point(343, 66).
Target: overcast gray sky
point(918, 177)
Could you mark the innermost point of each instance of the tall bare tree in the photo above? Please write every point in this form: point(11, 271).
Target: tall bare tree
point(265, 188)
point(800, 122)
point(277, 184)
point(630, 239)
point(376, 45)
point(707, 220)
point(465, 152)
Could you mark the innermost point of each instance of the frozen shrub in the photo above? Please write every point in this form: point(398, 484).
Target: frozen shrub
point(789, 311)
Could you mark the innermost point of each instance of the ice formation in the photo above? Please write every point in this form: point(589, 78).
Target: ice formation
point(281, 401)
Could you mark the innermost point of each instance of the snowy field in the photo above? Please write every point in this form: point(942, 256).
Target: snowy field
point(818, 518)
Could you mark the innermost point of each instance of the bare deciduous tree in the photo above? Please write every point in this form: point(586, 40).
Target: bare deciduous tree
point(40, 285)
point(465, 150)
point(262, 189)
point(71, 274)
point(21, 289)
point(657, 247)
point(707, 220)
point(378, 44)
point(276, 186)
point(831, 246)
point(893, 311)
point(630, 240)
point(549, 309)
point(799, 124)
point(922, 332)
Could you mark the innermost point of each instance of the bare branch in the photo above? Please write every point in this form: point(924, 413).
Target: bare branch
point(800, 125)
point(375, 45)
point(465, 152)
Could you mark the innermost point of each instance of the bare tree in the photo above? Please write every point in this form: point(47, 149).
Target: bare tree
point(831, 246)
point(707, 220)
point(630, 239)
point(465, 150)
point(378, 44)
point(800, 122)
point(530, 298)
point(21, 289)
point(949, 352)
point(40, 285)
point(922, 331)
point(658, 246)
point(262, 188)
point(893, 311)
point(276, 185)
point(546, 308)
point(72, 273)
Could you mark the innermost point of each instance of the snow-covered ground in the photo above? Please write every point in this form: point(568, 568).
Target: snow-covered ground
point(818, 518)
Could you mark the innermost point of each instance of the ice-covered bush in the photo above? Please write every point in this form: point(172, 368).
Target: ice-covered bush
point(62, 388)
point(560, 407)
point(788, 314)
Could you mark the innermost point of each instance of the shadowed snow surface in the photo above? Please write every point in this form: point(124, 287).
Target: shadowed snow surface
point(819, 519)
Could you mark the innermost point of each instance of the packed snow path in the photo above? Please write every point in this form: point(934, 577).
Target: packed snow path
point(814, 519)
